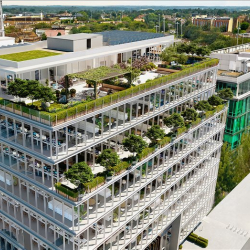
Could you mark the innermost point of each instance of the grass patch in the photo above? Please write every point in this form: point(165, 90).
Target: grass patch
point(28, 55)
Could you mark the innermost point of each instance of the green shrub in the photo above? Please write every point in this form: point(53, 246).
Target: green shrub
point(198, 120)
point(194, 235)
point(96, 181)
point(209, 113)
point(219, 107)
point(65, 190)
point(165, 141)
point(120, 166)
point(145, 152)
point(180, 246)
point(202, 239)
point(181, 130)
point(191, 239)
point(201, 243)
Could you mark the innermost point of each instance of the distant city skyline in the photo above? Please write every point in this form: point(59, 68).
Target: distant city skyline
point(128, 3)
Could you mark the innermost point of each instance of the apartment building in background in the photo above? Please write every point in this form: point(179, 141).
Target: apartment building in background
point(216, 22)
point(154, 203)
point(234, 73)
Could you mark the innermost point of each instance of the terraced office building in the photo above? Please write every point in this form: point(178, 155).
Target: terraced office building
point(153, 202)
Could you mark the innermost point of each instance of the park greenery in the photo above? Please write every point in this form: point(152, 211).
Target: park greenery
point(234, 167)
point(213, 37)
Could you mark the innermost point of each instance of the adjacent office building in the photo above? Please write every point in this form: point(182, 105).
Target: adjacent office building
point(153, 204)
point(234, 73)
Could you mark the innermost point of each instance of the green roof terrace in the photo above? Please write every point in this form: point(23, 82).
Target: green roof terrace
point(83, 108)
point(28, 55)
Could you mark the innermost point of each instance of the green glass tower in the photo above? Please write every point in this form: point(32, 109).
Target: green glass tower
point(238, 116)
point(234, 73)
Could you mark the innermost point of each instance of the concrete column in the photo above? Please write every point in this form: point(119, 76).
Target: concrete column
point(175, 233)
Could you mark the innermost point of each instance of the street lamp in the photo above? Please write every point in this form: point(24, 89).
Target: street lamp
point(177, 29)
point(238, 34)
point(164, 24)
point(156, 26)
point(243, 37)
point(159, 23)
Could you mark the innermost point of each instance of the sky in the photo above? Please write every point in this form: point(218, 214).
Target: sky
point(128, 2)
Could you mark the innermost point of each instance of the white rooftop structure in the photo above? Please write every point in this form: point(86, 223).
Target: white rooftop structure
point(228, 225)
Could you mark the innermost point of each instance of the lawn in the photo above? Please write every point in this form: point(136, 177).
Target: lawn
point(28, 55)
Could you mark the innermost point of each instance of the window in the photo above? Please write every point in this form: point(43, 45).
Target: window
point(88, 43)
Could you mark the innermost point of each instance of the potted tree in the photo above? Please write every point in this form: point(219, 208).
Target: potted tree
point(72, 92)
point(226, 94)
point(79, 173)
point(109, 160)
point(134, 144)
point(176, 121)
point(215, 100)
point(189, 115)
point(155, 133)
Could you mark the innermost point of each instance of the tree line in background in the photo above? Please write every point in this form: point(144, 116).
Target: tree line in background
point(214, 37)
point(234, 167)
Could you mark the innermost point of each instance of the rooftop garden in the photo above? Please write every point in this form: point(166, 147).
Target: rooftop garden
point(183, 56)
point(81, 175)
point(53, 115)
point(28, 55)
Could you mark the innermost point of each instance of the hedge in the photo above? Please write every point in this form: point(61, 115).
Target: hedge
point(60, 115)
point(201, 243)
point(219, 107)
point(145, 152)
point(202, 239)
point(165, 141)
point(66, 190)
point(191, 239)
point(181, 130)
point(198, 121)
point(120, 166)
point(96, 181)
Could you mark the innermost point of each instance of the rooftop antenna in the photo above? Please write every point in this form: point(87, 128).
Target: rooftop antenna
point(1, 20)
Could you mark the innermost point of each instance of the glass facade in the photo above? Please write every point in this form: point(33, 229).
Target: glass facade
point(238, 116)
point(222, 85)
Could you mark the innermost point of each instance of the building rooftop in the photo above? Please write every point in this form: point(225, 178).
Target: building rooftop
point(28, 55)
point(228, 225)
point(229, 73)
point(74, 37)
point(115, 37)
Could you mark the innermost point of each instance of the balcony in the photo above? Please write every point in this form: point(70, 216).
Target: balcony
point(133, 228)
